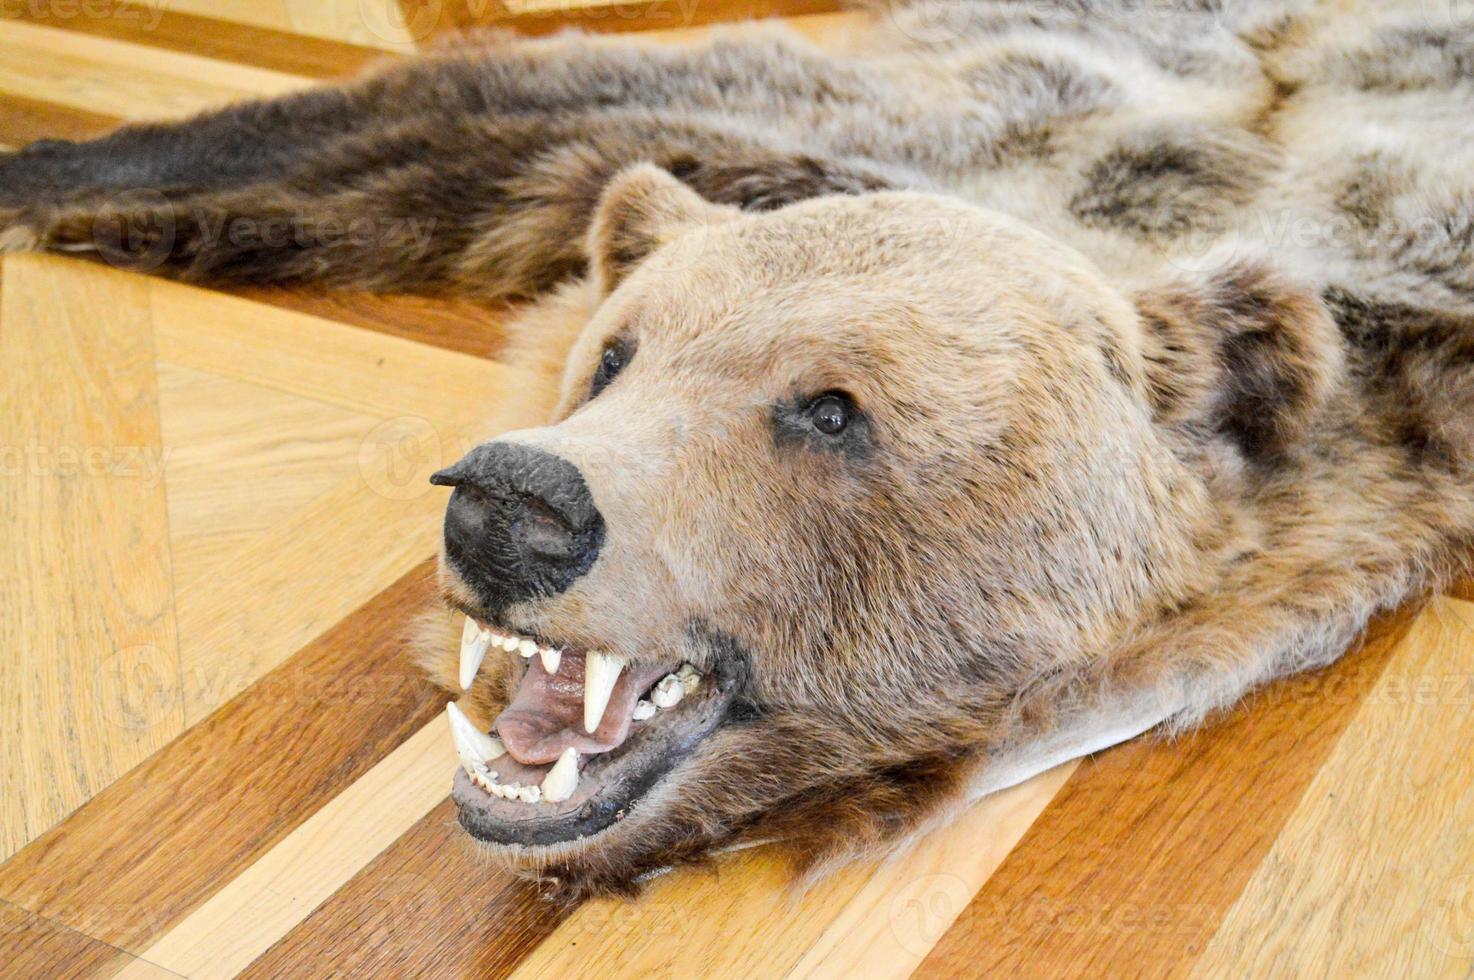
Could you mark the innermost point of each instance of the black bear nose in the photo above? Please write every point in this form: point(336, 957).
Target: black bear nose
point(521, 523)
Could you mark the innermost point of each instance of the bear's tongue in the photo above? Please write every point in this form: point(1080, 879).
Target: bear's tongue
point(546, 716)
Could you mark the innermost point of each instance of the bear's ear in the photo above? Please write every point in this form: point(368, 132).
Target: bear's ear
point(1243, 351)
point(641, 209)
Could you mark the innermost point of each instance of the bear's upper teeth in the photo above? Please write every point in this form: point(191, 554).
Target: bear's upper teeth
point(668, 692)
point(474, 641)
point(601, 673)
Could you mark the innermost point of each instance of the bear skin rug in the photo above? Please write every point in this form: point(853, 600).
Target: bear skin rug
point(999, 384)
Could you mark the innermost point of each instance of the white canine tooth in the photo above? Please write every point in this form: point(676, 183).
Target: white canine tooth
point(529, 794)
point(551, 658)
point(668, 692)
point(562, 779)
point(510, 644)
point(473, 746)
point(474, 641)
point(600, 673)
point(526, 648)
point(644, 710)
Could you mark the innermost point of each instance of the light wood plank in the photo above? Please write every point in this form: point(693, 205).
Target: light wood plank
point(247, 916)
point(877, 920)
point(239, 459)
point(114, 78)
point(90, 670)
point(315, 358)
point(1374, 873)
point(894, 920)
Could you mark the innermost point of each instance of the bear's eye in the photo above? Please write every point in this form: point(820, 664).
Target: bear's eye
point(830, 413)
point(830, 422)
point(615, 356)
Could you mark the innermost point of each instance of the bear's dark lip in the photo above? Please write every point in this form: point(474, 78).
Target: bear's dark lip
point(628, 774)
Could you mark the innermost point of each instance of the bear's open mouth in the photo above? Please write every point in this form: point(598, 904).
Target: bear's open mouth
point(585, 736)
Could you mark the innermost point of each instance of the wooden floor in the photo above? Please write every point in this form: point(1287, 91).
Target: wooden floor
point(214, 758)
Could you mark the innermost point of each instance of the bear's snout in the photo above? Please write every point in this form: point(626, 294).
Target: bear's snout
point(520, 525)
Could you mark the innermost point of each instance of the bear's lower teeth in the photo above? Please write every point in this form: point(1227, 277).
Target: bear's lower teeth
point(476, 749)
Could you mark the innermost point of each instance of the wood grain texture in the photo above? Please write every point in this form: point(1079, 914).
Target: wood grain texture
point(431, 905)
point(458, 325)
point(33, 948)
point(871, 920)
point(100, 75)
point(362, 532)
point(1373, 874)
point(155, 25)
point(243, 919)
point(156, 843)
point(241, 459)
point(367, 23)
point(373, 373)
point(24, 120)
point(90, 677)
point(1147, 847)
point(537, 17)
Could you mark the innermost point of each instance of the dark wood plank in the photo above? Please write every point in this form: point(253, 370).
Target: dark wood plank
point(429, 905)
point(426, 20)
point(25, 120)
point(156, 843)
point(1139, 857)
point(31, 946)
point(458, 325)
point(156, 26)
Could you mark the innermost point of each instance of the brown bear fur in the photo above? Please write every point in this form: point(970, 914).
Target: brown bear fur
point(1163, 322)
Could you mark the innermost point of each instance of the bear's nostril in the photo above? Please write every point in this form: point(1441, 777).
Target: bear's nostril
point(545, 533)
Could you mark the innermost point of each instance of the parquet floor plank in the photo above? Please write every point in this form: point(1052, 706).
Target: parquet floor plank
point(1373, 873)
point(242, 920)
point(35, 948)
point(1149, 844)
point(876, 919)
point(158, 842)
point(90, 676)
point(102, 76)
point(432, 905)
point(170, 27)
